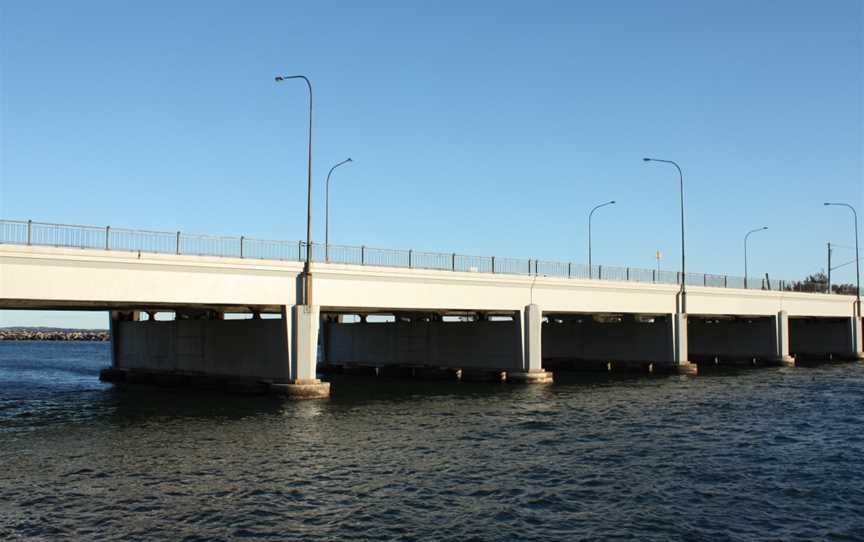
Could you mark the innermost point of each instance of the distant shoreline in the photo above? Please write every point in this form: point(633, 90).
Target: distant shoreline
point(53, 334)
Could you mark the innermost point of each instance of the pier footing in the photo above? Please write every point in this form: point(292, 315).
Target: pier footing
point(303, 389)
point(785, 361)
point(686, 368)
point(531, 377)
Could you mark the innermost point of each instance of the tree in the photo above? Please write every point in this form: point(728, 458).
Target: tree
point(817, 282)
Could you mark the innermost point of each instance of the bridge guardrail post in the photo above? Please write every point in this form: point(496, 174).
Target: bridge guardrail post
point(654, 276)
point(627, 274)
point(599, 272)
point(107, 237)
point(493, 264)
point(29, 232)
point(704, 279)
point(177, 249)
point(410, 257)
point(569, 269)
point(242, 238)
point(453, 261)
point(363, 255)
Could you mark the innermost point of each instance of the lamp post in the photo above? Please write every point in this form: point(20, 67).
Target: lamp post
point(591, 214)
point(683, 304)
point(745, 251)
point(857, 264)
point(327, 211)
point(307, 268)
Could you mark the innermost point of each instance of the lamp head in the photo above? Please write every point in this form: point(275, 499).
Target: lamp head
point(611, 202)
point(349, 160)
point(279, 78)
point(646, 159)
point(764, 227)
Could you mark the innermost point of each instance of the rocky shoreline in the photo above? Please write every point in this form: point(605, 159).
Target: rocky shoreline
point(49, 334)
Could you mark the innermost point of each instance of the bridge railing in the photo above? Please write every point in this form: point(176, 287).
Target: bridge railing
point(161, 242)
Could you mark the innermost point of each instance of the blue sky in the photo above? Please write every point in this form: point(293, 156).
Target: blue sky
point(482, 128)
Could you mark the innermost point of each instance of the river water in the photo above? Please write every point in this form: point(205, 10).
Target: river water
point(769, 454)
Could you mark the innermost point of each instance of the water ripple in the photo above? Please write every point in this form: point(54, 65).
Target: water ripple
point(755, 455)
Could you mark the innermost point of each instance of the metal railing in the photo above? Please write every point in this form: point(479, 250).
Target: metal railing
point(160, 242)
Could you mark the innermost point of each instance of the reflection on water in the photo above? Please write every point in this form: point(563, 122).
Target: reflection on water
point(771, 453)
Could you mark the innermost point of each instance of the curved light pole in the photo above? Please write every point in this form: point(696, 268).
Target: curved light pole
point(327, 210)
point(745, 251)
point(683, 304)
point(857, 258)
point(591, 269)
point(307, 268)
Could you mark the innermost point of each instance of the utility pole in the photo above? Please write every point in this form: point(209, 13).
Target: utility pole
point(829, 268)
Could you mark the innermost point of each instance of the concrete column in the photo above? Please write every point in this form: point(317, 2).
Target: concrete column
point(857, 336)
point(781, 336)
point(531, 327)
point(680, 352)
point(301, 325)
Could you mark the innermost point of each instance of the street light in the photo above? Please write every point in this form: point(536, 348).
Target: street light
point(745, 251)
point(857, 258)
point(683, 304)
point(590, 269)
point(327, 211)
point(307, 268)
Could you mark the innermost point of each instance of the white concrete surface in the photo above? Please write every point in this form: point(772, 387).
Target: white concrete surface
point(45, 277)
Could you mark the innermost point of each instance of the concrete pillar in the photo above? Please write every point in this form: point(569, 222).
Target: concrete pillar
point(531, 326)
point(781, 336)
point(857, 336)
point(680, 353)
point(301, 323)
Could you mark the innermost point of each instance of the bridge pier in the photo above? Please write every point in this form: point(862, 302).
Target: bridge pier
point(252, 355)
point(681, 346)
point(680, 337)
point(781, 337)
point(531, 327)
point(300, 334)
point(857, 325)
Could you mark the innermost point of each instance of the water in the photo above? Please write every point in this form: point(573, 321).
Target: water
point(759, 454)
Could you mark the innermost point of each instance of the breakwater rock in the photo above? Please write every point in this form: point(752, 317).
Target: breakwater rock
point(53, 334)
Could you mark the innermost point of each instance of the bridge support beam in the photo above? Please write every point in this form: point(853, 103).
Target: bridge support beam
point(781, 336)
point(531, 324)
point(301, 324)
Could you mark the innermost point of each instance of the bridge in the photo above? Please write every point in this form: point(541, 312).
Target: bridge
point(234, 312)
